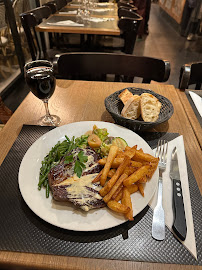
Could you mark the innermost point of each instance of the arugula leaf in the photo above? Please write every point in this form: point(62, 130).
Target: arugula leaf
point(82, 165)
point(78, 168)
point(68, 159)
point(79, 164)
point(81, 157)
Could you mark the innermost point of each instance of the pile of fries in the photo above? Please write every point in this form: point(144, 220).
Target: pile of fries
point(124, 173)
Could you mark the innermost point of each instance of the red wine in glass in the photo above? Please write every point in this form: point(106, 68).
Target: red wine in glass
point(39, 76)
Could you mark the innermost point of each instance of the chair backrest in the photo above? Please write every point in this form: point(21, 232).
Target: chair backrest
point(52, 5)
point(126, 5)
point(127, 12)
point(30, 19)
point(129, 27)
point(61, 3)
point(89, 65)
point(191, 74)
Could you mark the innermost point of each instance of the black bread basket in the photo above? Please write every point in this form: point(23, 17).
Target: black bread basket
point(114, 106)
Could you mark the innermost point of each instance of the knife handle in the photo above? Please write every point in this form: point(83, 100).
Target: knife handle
point(179, 225)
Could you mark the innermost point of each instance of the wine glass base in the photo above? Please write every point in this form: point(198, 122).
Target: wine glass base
point(52, 120)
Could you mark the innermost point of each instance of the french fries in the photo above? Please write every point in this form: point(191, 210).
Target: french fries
point(139, 155)
point(126, 200)
point(141, 172)
point(115, 187)
point(141, 188)
point(124, 173)
point(97, 178)
point(110, 158)
point(118, 161)
point(115, 177)
point(118, 207)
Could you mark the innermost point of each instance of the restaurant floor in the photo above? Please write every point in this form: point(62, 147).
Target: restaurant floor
point(163, 41)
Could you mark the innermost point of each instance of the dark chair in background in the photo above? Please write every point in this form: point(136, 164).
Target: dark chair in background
point(96, 66)
point(129, 28)
point(5, 41)
point(128, 24)
point(61, 3)
point(53, 37)
point(30, 19)
point(130, 13)
point(52, 5)
point(5, 112)
point(191, 74)
point(126, 5)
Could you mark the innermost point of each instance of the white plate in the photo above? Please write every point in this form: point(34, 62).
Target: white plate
point(65, 215)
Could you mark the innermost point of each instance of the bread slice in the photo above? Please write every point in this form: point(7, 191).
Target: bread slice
point(125, 96)
point(131, 109)
point(150, 107)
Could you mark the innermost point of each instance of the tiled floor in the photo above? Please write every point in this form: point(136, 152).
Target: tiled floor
point(166, 43)
point(162, 42)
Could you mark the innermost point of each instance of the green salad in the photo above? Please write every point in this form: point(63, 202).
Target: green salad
point(98, 139)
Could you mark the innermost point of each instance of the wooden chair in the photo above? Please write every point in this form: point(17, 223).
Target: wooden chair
point(17, 6)
point(129, 29)
point(6, 50)
point(52, 5)
point(30, 19)
point(95, 66)
point(127, 12)
point(61, 3)
point(5, 112)
point(126, 5)
point(20, 6)
point(53, 37)
point(190, 74)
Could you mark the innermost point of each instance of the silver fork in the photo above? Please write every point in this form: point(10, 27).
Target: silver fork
point(158, 223)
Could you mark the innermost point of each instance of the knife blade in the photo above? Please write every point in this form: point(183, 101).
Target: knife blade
point(179, 224)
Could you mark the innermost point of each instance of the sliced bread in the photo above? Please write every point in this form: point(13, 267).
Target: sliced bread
point(125, 96)
point(150, 107)
point(131, 109)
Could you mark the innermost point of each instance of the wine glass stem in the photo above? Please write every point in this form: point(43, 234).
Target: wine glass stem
point(47, 109)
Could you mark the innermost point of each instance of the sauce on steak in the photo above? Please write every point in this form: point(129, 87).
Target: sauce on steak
point(66, 186)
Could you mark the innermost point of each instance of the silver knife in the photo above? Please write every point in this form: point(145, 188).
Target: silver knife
point(179, 224)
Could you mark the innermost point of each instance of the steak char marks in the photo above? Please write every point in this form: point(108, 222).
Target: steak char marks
point(66, 186)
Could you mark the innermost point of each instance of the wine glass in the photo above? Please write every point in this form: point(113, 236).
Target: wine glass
point(79, 12)
point(39, 76)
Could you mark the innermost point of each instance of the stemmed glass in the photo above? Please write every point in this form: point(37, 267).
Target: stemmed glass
point(86, 12)
point(39, 76)
point(79, 12)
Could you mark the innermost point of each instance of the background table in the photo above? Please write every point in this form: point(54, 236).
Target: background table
point(97, 28)
point(84, 101)
point(109, 11)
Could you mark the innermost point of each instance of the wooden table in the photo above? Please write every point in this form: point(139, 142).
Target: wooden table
point(191, 115)
point(84, 101)
point(110, 10)
point(108, 27)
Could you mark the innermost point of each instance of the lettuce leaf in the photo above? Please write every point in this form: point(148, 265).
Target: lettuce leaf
point(101, 133)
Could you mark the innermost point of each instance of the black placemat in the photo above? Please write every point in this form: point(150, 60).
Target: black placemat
point(193, 105)
point(22, 230)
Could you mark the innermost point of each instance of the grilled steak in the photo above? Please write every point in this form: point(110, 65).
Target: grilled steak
point(66, 186)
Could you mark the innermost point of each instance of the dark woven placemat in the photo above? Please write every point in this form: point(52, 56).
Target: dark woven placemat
point(22, 230)
point(193, 105)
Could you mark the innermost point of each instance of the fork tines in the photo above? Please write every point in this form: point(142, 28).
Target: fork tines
point(161, 151)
